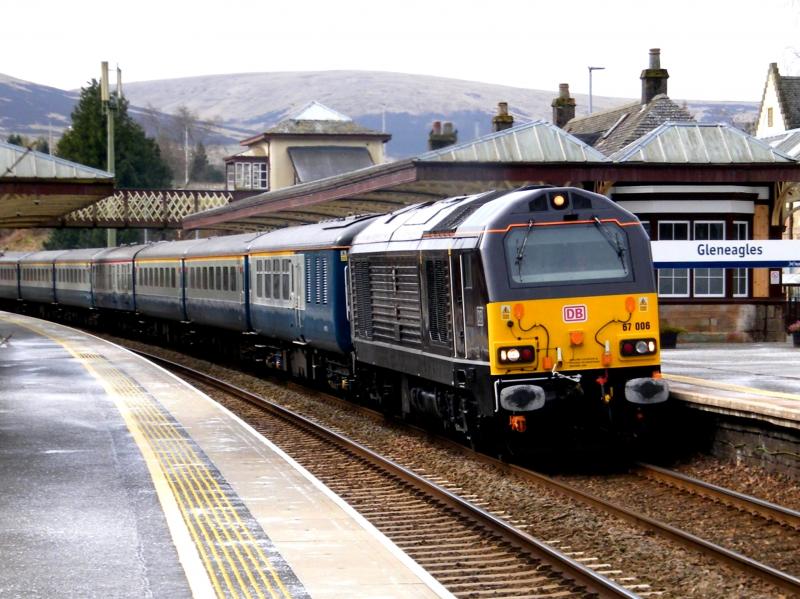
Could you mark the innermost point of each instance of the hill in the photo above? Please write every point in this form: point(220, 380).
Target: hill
point(244, 104)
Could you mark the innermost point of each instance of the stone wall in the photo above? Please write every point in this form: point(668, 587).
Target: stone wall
point(726, 322)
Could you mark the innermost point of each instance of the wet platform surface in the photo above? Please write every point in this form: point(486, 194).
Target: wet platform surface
point(119, 480)
point(762, 379)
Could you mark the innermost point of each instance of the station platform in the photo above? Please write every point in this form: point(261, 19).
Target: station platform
point(120, 480)
point(754, 380)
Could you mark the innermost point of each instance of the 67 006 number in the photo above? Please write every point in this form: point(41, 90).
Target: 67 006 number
point(639, 326)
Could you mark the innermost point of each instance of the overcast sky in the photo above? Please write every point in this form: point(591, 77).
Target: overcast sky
point(713, 49)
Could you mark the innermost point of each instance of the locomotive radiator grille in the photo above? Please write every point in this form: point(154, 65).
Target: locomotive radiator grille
point(438, 280)
point(387, 303)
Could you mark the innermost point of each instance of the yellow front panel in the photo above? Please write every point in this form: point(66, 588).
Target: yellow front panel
point(578, 326)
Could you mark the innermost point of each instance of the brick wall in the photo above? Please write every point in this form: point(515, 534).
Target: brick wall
point(725, 322)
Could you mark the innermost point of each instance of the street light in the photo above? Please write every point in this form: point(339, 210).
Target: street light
point(590, 85)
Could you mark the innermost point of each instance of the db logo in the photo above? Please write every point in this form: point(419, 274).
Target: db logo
point(574, 313)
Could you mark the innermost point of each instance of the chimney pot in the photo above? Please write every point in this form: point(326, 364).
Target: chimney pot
point(655, 58)
point(563, 106)
point(502, 120)
point(654, 78)
point(442, 136)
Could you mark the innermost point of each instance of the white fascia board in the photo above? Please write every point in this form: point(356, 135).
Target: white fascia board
point(761, 191)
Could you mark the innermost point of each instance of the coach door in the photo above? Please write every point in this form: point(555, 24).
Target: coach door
point(297, 295)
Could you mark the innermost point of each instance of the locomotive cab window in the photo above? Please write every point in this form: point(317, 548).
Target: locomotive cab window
point(568, 254)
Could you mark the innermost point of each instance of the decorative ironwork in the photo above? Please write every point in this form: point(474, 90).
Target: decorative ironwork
point(147, 208)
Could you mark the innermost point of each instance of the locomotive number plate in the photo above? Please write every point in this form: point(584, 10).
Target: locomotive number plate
point(575, 313)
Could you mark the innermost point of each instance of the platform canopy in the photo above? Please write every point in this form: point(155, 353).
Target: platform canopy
point(37, 190)
point(529, 153)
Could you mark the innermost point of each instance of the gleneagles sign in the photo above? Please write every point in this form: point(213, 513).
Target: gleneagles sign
point(725, 254)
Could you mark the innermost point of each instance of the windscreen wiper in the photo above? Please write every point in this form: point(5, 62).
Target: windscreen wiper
point(614, 242)
point(521, 248)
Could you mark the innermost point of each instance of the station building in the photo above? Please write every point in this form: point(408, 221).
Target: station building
point(315, 143)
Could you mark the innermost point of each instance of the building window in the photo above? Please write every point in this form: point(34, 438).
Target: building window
point(740, 275)
point(709, 282)
point(769, 117)
point(673, 282)
point(248, 175)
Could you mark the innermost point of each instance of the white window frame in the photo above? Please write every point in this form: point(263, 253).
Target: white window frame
point(707, 274)
point(292, 266)
point(673, 273)
point(741, 276)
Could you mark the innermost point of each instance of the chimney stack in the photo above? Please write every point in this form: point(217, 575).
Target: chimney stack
point(563, 106)
point(654, 78)
point(502, 120)
point(442, 136)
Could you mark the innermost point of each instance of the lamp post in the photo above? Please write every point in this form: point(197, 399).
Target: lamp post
point(590, 85)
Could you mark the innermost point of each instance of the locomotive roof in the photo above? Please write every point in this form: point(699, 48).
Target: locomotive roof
point(469, 216)
point(330, 234)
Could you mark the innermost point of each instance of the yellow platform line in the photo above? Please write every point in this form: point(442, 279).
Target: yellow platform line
point(191, 518)
point(210, 488)
point(124, 393)
point(678, 378)
point(224, 507)
point(184, 467)
point(172, 476)
point(159, 427)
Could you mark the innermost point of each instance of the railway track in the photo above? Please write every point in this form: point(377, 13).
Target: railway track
point(471, 552)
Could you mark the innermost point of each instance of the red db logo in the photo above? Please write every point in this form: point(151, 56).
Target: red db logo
point(574, 313)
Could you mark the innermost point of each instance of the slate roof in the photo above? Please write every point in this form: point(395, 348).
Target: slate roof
point(612, 130)
point(699, 143)
point(787, 142)
point(789, 97)
point(312, 127)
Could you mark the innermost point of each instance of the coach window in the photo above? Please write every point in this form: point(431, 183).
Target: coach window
point(285, 278)
point(226, 280)
point(276, 279)
point(233, 278)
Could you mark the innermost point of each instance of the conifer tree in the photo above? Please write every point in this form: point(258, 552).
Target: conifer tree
point(138, 160)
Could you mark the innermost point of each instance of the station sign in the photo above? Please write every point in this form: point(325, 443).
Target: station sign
point(773, 253)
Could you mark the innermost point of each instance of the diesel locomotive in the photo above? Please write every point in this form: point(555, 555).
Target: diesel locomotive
point(510, 316)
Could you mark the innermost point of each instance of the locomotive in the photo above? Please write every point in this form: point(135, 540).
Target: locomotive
point(510, 316)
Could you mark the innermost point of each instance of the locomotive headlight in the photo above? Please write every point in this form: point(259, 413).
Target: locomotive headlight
point(518, 354)
point(559, 201)
point(642, 347)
